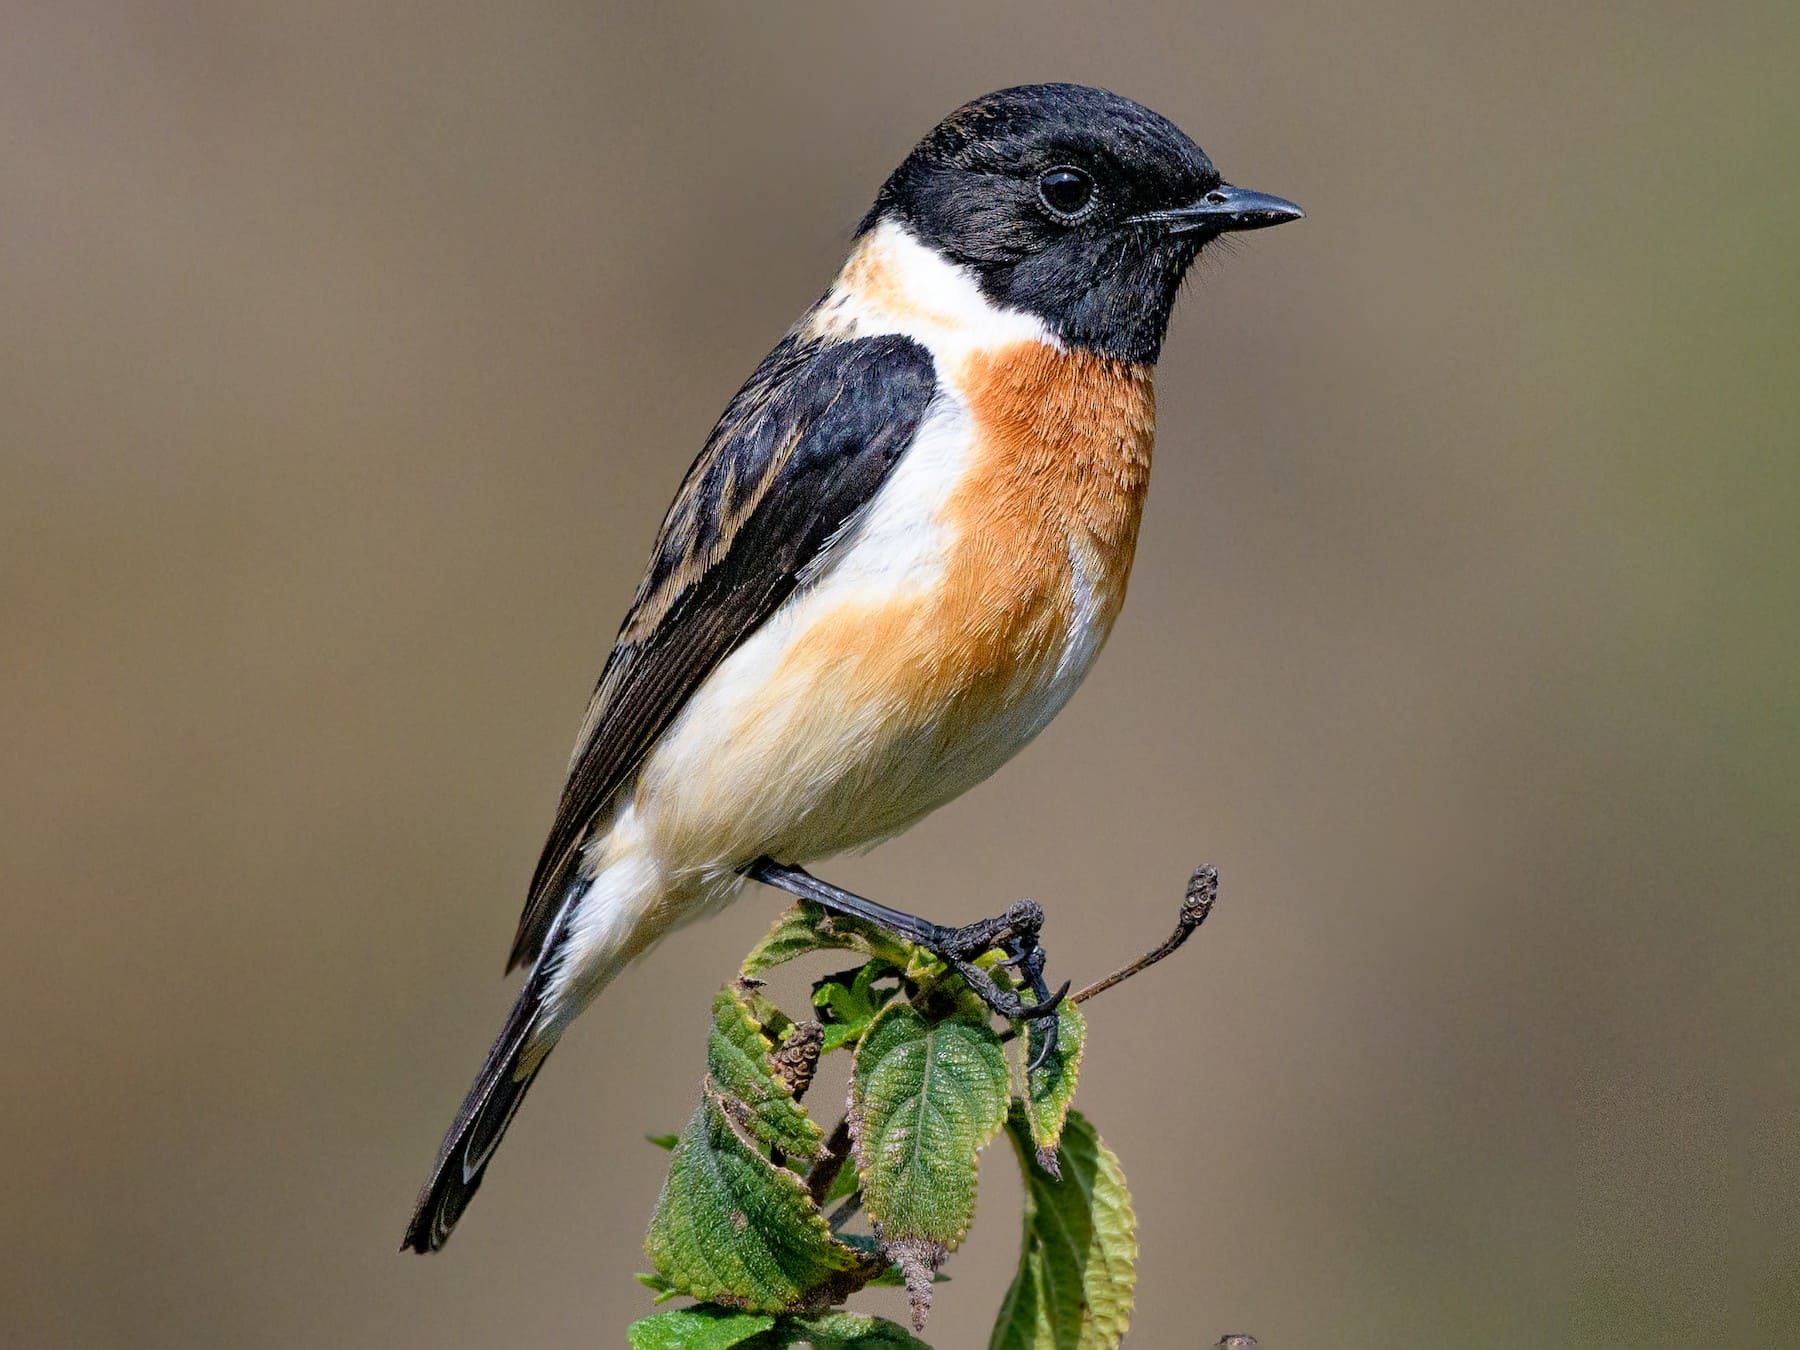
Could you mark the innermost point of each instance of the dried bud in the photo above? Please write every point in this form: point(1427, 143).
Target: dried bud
point(798, 1056)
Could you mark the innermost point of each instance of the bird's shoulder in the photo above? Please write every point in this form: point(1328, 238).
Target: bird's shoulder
point(802, 423)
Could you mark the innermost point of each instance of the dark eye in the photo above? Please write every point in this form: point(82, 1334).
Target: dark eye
point(1066, 192)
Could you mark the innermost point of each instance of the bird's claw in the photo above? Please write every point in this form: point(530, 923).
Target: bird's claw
point(1016, 933)
point(1005, 1002)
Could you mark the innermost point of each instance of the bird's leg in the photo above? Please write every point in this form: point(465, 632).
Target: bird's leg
point(1015, 932)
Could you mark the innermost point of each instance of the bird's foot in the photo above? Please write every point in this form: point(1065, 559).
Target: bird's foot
point(1014, 932)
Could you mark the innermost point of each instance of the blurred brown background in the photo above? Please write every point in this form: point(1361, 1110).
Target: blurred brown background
point(349, 355)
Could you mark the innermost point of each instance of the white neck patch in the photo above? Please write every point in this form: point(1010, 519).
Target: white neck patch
point(893, 283)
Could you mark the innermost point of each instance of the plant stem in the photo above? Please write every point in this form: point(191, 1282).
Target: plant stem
point(1202, 892)
point(825, 1171)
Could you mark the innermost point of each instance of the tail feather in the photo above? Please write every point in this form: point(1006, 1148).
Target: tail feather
point(486, 1112)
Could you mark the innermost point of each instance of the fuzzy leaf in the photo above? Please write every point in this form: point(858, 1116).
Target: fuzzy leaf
point(845, 1331)
point(1051, 1087)
point(702, 1328)
point(732, 1227)
point(737, 1057)
point(805, 927)
point(924, 1097)
point(1077, 1261)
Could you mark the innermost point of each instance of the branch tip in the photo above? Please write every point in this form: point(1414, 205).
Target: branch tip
point(1202, 893)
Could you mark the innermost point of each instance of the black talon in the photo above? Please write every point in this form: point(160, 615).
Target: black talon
point(1031, 961)
point(1044, 1007)
point(1052, 1029)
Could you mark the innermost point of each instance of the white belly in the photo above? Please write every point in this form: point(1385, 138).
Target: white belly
point(803, 758)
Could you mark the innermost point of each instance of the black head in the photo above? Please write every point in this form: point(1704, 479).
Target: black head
point(1074, 204)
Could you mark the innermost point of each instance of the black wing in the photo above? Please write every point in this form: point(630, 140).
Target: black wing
point(803, 446)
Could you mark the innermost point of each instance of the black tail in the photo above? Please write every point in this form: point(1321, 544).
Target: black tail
point(485, 1114)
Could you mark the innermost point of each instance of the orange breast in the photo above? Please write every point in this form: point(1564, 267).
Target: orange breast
point(1061, 465)
point(1044, 523)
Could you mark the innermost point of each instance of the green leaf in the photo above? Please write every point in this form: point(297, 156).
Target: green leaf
point(663, 1141)
point(657, 1285)
point(806, 927)
point(853, 1006)
point(702, 1328)
point(737, 1057)
point(924, 1098)
point(840, 1034)
point(845, 1331)
point(732, 1227)
point(1051, 1087)
point(1078, 1258)
point(863, 986)
point(841, 1002)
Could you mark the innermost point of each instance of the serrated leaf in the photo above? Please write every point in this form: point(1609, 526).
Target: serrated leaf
point(732, 1227)
point(1078, 1259)
point(702, 1328)
point(805, 927)
point(925, 1097)
point(1051, 1087)
point(737, 1058)
point(845, 1331)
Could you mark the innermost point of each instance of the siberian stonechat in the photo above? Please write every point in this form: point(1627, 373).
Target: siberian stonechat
point(897, 555)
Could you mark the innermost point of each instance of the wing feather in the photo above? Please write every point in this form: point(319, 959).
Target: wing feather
point(802, 447)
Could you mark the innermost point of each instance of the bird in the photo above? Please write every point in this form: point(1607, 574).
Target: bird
point(894, 559)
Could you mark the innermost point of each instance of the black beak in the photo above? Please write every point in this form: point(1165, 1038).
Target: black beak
point(1226, 208)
